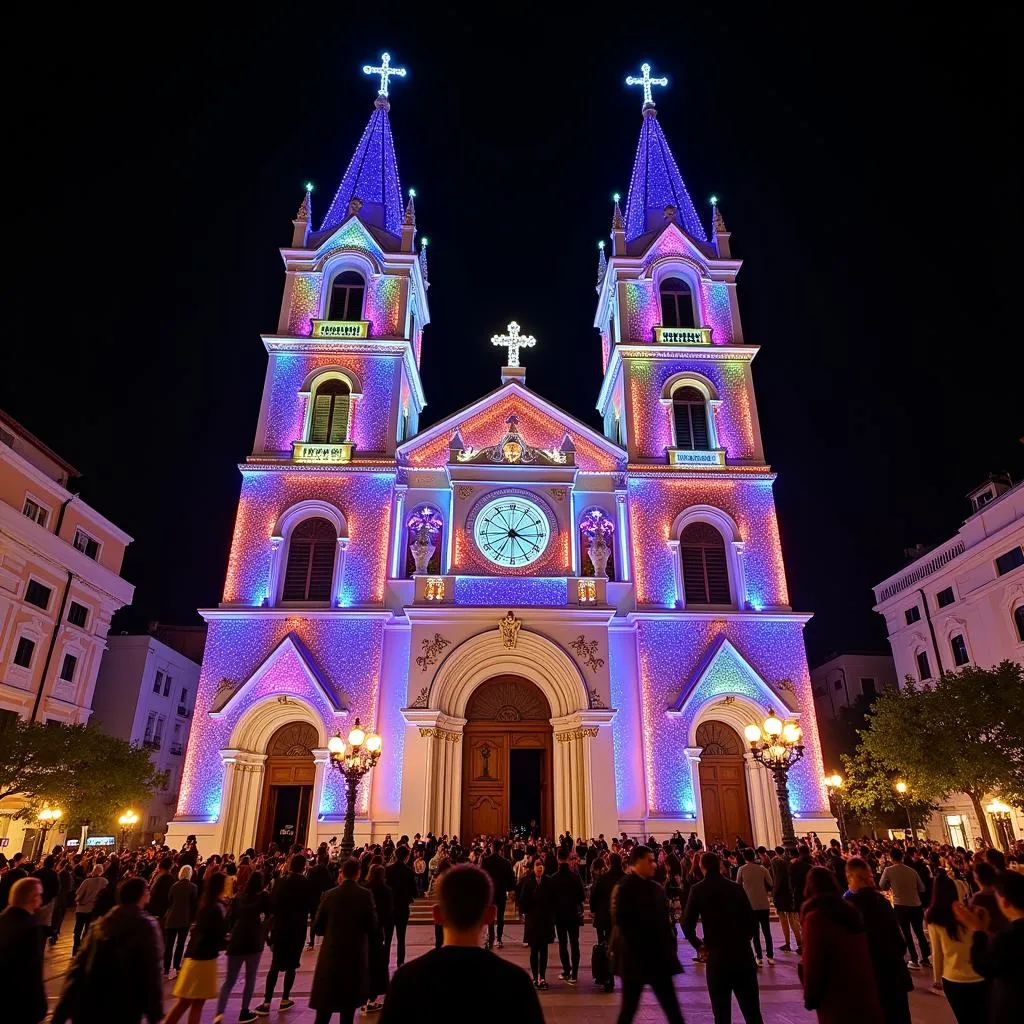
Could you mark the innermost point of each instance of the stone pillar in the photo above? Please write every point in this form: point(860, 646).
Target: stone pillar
point(240, 799)
point(432, 772)
point(321, 765)
point(677, 573)
point(693, 760)
point(764, 810)
point(622, 551)
point(398, 547)
point(579, 802)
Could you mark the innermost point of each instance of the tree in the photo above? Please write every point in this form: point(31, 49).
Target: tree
point(870, 794)
point(92, 777)
point(962, 733)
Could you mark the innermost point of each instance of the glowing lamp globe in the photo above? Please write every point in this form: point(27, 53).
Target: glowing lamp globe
point(773, 726)
point(901, 788)
point(835, 781)
point(336, 745)
point(791, 732)
point(373, 743)
point(356, 736)
point(753, 733)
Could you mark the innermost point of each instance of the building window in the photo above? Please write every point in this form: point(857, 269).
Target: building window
point(329, 421)
point(23, 654)
point(310, 567)
point(837, 684)
point(183, 702)
point(8, 719)
point(158, 734)
point(676, 303)
point(944, 597)
point(705, 569)
point(690, 419)
point(167, 685)
point(913, 615)
point(86, 544)
point(868, 687)
point(981, 500)
point(347, 297)
point(67, 668)
point(959, 647)
point(1010, 560)
point(78, 614)
point(37, 594)
point(923, 668)
point(158, 682)
point(148, 735)
point(1018, 621)
point(35, 511)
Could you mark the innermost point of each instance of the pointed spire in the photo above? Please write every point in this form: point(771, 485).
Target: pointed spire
point(719, 234)
point(303, 219)
point(372, 173)
point(424, 242)
point(656, 182)
point(410, 209)
point(618, 228)
point(602, 263)
point(409, 223)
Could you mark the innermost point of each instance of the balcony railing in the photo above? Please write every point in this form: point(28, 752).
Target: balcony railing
point(341, 329)
point(176, 749)
point(309, 451)
point(919, 572)
point(682, 335)
point(152, 744)
point(713, 458)
point(183, 711)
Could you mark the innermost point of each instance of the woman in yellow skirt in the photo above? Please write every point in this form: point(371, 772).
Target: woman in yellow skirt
point(197, 980)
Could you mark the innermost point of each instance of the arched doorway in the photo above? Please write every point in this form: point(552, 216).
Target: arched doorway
point(288, 780)
point(723, 785)
point(507, 759)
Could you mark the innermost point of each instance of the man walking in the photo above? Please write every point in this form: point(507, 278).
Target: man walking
point(503, 881)
point(401, 881)
point(907, 888)
point(568, 896)
point(644, 941)
point(728, 924)
point(757, 883)
point(21, 954)
point(782, 897)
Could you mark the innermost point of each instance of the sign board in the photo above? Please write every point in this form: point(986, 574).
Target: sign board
point(306, 451)
point(99, 841)
point(682, 335)
point(683, 457)
point(341, 329)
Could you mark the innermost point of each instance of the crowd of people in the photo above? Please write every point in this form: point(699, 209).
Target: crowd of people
point(860, 918)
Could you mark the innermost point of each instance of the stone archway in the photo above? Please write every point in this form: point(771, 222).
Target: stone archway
point(289, 777)
point(723, 784)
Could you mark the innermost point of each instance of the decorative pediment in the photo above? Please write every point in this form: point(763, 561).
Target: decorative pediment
point(229, 695)
point(547, 434)
point(725, 673)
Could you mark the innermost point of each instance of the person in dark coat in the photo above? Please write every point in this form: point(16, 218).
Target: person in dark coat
point(998, 956)
point(348, 922)
point(115, 978)
point(568, 895)
point(21, 955)
point(380, 960)
point(160, 889)
point(601, 897)
point(503, 881)
point(51, 890)
point(321, 878)
point(401, 880)
point(182, 902)
point(245, 944)
point(536, 901)
point(800, 865)
point(728, 925)
point(834, 935)
point(64, 899)
point(289, 908)
point(643, 940)
point(782, 898)
point(885, 942)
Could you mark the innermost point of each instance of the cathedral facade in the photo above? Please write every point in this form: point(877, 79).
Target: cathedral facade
point(547, 625)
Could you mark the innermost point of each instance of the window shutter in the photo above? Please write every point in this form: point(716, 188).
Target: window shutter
point(693, 576)
point(705, 566)
point(339, 419)
point(699, 420)
point(718, 575)
point(684, 433)
point(310, 565)
point(320, 419)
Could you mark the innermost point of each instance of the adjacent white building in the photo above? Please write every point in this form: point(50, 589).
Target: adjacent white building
point(962, 603)
point(844, 678)
point(145, 693)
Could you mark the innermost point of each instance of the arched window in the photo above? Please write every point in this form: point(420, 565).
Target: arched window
point(331, 404)
point(347, 296)
point(705, 569)
point(676, 303)
point(690, 419)
point(310, 568)
point(1018, 621)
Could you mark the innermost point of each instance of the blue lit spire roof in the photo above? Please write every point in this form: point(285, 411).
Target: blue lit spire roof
point(656, 181)
point(372, 174)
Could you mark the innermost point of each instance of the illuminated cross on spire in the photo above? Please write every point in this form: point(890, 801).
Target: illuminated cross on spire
point(385, 71)
point(514, 341)
point(646, 81)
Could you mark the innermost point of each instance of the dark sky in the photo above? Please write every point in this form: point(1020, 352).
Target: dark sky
point(866, 169)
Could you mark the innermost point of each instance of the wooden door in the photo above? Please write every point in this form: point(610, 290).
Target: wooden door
point(289, 763)
point(723, 785)
point(484, 781)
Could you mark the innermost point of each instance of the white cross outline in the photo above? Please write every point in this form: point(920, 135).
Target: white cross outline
point(385, 71)
point(646, 81)
point(514, 341)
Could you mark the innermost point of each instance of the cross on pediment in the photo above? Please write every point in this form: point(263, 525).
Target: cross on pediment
point(514, 341)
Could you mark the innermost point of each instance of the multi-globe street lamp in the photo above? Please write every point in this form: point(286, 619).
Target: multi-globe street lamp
point(48, 817)
point(353, 762)
point(834, 785)
point(1001, 816)
point(127, 821)
point(778, 745)
point(901, 787)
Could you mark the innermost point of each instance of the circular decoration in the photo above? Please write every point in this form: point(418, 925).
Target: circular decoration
point(511, 531)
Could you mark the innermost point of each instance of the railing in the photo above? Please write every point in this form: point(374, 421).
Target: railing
point(152, 744)
point(183, 711)
point(713, 458)
point(176, 749)
point(920, 572)
point(341, 329)
point(682, 335)
point(309, 451)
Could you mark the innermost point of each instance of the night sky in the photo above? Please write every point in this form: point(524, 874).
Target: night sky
point(866, 170)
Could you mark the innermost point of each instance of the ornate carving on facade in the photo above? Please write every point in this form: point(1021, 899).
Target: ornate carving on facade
point(441, 734)
point(718, 738)
point(422, 698)
point(586, 651)
point(597, 701)
point(509, 628)
point(786, 686)
point(507, 699)
point(225, 688)
point(431, 648)
point(464, 493)
point(558, 493)
point(576, 734)
point(296, 739)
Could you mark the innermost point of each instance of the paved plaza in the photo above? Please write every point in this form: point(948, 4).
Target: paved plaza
point(781, 998)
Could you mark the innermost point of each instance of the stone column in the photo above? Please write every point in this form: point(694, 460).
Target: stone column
point(677, 573)
point(321, 765)
point(432, 772)
point(398, 548)
point(240, 799)
point(622, 551)
point(577, 803)
point(693, 760)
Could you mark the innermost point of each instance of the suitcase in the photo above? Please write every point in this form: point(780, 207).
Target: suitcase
point(600, 967)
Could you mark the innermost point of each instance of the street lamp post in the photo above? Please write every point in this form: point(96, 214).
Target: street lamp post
point(901, 787)
point(1001, 816)
point(353, 762)
point(127, 821)
point(777, 745)
point(834, 784)
point(48, 817)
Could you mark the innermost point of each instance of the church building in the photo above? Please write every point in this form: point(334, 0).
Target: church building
point(543, 622)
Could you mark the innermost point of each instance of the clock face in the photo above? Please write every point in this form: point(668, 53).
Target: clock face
point(511, 531)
